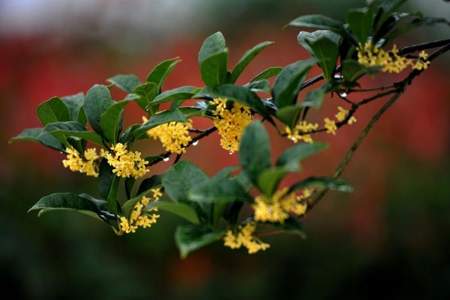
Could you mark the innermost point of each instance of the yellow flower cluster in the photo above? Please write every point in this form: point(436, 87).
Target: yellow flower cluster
point(230, 123)
point(244, 237)
point(341, 115)
point(125, 163)
point(330, 126)
point(174, 136)
point(86, 164)
point(301, 132)
point(390, 61)
point(139, 217)
point(278, 208)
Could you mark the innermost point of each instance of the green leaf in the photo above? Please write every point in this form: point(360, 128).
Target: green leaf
point(317, 22)
point(125, 82)
point(260, 86)
point(213, 59)
point(254, 151)
point(246, 59)
point(190, 238)
point(98, 100)
point(58, 129)
point(323, 183)
point(291, 157)
point(75, 104)
point(315, 97)
point(160, 118)
point(85, 135)
point(288, 82)
point(269, 180)
point(180, 93)
point(267, 73)
point(180, 209)
point(180, 179)
point(289, 114)
point(360, 22)
point(218, 190)
point(106, 177)
point(111, 120)
point(53, 110)
point(324, 46)
point(146, 93)
point(68, 201)
point(160, 72)
point(39, 135)
point(352, 70)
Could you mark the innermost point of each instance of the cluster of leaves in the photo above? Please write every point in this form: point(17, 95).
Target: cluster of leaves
point(213, 204)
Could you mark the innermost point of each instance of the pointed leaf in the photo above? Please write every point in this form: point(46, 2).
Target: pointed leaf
point(160, 72)
point(53, 110)
point(288, 82)
point(98, 100)
point(190, 238)
point(39, 135)
point(317, 22)
point(180, 93)
point(254, 151)
point(213, 60)
point(267, 73)
point(246, 59)
point(111, 120)
point(125, 82)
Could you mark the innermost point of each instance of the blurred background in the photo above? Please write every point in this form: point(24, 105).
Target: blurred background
point(389, 239)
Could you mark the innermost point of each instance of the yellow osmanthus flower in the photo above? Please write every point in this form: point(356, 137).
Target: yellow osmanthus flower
point(125, 163)
point(278, 208)
point(330, 126)
point(342, 114)
point(301, 132)
point(389, 61)
point(174, 136)
point(230, 123)
point(138, 216)
point(422, 62)
point(86, 164)
point(244, 237)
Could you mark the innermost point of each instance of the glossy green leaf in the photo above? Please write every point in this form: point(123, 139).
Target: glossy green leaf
point(291, 157)
point(317, 22)
point(246, 59)
point(267, 73)
point(146, 92)
point(125, 82)
point(315, 97)
point(98, 100)
point(322, 183)
point(289, 114)
point(58, 129)
point(68, 201)
point(180, 209)
point(218, 190)
point(324, 46)
point(360, 22)
point(260, 86)
point(75, 104)
point(111, 120)
point(160, 72)
point(53, 110)
point(190, 238)
point(180, 93)
point(39, 135)
point(181, 178)
point(269, 180)
point(254, 151)
point(213, 60)
point(352, 70)
point(288, 82)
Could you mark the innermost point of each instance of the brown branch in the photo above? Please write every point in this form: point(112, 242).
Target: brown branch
point(400, 89)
